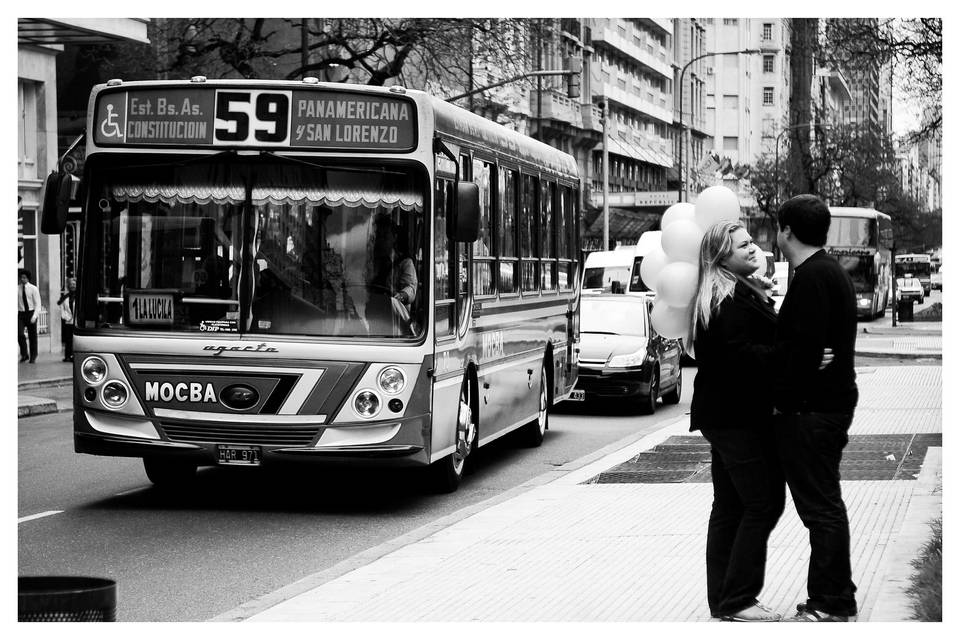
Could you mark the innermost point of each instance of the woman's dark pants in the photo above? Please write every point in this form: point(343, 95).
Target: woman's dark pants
point(748, 499)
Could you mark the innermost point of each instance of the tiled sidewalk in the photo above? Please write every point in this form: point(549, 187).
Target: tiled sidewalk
point(573, 552)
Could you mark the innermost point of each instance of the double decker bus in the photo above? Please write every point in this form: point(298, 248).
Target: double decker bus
point(861, 239)
point(918, 265)
point(282, 271)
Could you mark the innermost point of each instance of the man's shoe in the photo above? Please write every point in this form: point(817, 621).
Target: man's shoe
point(809, 614)
point(23, 358)
point(32, 360)
point(754, 613)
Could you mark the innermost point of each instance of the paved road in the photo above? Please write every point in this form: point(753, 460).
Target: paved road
point(243, 533)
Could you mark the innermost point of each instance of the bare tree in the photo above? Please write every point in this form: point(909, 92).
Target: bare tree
point(419, 52)
point(914, 46)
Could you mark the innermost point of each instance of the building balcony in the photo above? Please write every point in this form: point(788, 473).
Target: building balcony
point(592, 117)
point(655, 60)
point(556, 106)
point(627, 199)
point(631, 99)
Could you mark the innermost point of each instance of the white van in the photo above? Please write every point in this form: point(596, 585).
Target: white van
point(618, 271)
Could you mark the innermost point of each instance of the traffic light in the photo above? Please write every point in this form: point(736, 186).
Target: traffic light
point(575, 65)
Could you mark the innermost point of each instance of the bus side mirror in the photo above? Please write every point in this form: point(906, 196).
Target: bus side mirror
point(58, 191)
point(466, 222)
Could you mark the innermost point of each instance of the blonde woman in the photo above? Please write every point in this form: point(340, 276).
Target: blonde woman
point(733, 337)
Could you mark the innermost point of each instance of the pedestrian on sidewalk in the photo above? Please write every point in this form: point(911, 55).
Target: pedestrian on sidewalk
point(733, 339)
point(28, 312)
point(814, 406)
point(67, 303)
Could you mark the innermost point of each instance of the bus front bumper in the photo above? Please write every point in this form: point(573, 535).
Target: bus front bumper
point(406, 446)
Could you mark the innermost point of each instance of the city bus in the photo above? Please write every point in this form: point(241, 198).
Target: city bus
point(860, 239)
point(278, 271)
point(917, 264)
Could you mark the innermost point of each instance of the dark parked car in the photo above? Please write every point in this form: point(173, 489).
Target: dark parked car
point(622, 357)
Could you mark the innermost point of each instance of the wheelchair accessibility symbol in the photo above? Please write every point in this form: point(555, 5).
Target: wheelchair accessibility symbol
point(109, 127)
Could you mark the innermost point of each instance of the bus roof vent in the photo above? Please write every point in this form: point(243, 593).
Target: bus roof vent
point(113, 82)
point(397, 89)
point(198, 79)
point(311, 80)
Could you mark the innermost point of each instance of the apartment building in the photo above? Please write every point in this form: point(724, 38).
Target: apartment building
point(631, 70)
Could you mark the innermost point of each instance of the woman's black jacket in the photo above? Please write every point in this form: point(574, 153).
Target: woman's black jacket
point(734, 383)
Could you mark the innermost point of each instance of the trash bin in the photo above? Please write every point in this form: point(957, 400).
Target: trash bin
point(66, 599)
point(905, 311)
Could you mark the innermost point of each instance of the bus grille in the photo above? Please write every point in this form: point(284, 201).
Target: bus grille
point(287, 436)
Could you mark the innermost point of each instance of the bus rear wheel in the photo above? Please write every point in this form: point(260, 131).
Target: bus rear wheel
point(446, 473)
point(168, 473)
point(534, 430)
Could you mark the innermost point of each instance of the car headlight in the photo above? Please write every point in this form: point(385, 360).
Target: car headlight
point(864, 302)
point(114, 394)
point(634, 359)
point(366, 404)
point(93, 370)
point(391, 380)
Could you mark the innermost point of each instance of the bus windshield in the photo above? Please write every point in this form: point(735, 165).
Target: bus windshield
point(852, 232)
point(259, 246)
point(861, 270)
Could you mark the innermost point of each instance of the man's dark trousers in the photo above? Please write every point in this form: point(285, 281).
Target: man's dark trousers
point(23, 322)
point(748, 499)
point(811, 446)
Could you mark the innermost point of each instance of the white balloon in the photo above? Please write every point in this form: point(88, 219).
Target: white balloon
point(670, 322)
point(716, 204)
point(650, 267)
point(681, 241)
point(679, 211)
point(677, 284)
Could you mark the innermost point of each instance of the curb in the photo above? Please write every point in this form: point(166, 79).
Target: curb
point(901, 355)
point(33, 406)
point(893, 604)
point(44, 383)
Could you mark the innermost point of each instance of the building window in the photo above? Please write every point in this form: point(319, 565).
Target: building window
point(730, 21)
point(29, 127)
point(768, 64)
point(768, 96)
point(767, 31)
point(730, 143)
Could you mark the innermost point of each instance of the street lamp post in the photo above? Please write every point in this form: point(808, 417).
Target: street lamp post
point(682, 189)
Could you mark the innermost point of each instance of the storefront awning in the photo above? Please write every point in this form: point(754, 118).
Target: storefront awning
point(635, 151)
point(54, 31)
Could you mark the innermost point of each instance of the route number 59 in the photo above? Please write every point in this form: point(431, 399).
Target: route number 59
point(252, 117)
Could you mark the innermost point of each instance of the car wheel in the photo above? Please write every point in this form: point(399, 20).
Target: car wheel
point(674, 396)
point(446, 473)
point(533, 431)
point(649, 402)
point(169, 473)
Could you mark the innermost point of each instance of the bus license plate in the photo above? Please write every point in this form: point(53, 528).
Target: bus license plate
point(578, 395)
point(231, 454)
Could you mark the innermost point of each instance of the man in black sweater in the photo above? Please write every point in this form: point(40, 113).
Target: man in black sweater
point(814, 408)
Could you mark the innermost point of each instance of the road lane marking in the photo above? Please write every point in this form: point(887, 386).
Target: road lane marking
point(43, 514)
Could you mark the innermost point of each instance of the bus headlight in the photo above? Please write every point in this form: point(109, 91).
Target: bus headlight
point(865, 302)
point(366, 404)
point(93, 370)
point(391, 380)
point(114, 394)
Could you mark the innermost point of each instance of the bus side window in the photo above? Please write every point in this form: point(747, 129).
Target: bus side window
point(529, 217)
point(483, 282)
point(548, 237)
point(444, 268)
point(506, 230)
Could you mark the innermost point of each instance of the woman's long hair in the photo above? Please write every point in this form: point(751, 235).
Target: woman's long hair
point(716, 282)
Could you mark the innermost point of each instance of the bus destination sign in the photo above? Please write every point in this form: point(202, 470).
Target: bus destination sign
point(255, 118)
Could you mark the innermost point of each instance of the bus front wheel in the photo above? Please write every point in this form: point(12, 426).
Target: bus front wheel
point(165, 473)
point(446, 473)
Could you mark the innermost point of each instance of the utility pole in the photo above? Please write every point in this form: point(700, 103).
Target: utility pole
point(606, 175)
